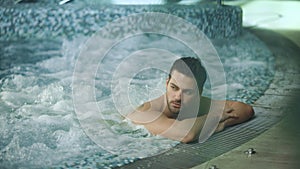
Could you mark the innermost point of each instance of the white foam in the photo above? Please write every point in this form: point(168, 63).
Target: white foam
point(38, 123)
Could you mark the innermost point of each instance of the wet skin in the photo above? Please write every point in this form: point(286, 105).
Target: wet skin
point(179, 115)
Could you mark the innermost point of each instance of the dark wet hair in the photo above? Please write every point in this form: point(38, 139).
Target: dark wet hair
point(195, 67)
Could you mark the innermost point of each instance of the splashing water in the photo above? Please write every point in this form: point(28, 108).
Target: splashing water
point(38, 125)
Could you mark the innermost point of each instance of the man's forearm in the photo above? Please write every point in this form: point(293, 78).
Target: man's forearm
point(186, 130)
point(242, 111)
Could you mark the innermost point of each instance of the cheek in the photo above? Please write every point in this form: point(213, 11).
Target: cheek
point(169, 94)
point(191, 99)
point(186, 98)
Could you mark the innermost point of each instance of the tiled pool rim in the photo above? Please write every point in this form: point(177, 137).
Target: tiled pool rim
point(34, 20)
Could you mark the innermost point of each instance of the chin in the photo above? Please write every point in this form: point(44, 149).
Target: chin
point(172, 115)
point(175, 114)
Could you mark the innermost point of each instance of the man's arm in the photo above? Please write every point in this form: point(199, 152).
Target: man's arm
point(239, 112)
point(185, 131)
point(234, 113)
point(188, 130)
point(158, 124)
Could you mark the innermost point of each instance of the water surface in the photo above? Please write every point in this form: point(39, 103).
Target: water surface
point(38, 124)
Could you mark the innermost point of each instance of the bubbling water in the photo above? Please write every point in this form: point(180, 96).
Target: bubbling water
point(38, 125)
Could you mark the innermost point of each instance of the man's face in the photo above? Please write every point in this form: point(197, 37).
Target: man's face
point(182, 94)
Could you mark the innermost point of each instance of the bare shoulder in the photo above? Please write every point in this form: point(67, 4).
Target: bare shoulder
point(157, 104)
point(146, 113)
point(153, 105)
point(144, 107)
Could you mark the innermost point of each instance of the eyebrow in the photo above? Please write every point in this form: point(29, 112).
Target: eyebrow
point(174, 84)
point(188, 90)
point(183, 89)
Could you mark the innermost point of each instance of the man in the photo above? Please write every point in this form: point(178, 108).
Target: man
point(180, 113)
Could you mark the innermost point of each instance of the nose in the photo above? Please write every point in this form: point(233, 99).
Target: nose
point(178, 95)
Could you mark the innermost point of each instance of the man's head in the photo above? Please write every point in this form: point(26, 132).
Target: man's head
point(184, 85)
point(190, 67)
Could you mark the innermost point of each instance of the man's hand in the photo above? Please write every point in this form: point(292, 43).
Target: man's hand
point(228, 113)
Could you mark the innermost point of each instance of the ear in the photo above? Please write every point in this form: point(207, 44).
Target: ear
point(167, 81)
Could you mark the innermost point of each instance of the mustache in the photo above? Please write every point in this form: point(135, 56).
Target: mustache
point(176, 101)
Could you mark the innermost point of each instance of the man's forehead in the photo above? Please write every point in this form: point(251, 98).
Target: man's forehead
point(183, 81)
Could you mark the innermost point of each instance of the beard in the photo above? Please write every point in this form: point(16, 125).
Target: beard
point(174, 107)
point(188, 110)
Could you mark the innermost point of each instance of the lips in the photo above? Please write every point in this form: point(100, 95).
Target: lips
point(176, 105)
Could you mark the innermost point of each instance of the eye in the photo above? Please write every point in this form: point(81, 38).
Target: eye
point(189, 92)
point(173, 87)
